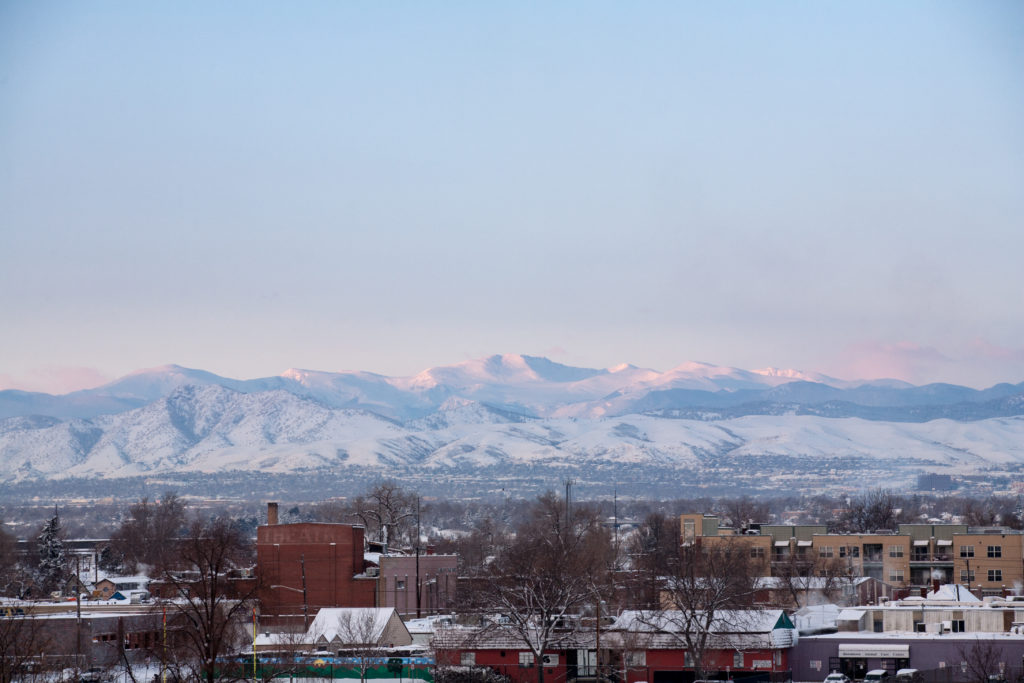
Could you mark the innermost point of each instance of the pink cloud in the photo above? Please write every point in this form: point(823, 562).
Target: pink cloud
point(55, 379)
point(901, 360)
point(978, 363)
point(985, 349)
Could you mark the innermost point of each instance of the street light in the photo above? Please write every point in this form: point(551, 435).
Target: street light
point(305, 603)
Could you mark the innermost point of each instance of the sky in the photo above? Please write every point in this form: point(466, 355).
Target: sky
point(248, 187)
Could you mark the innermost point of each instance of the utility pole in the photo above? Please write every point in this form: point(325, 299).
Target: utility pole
point(568, 504)
point(615, 521)
point(417, 556)
point(305, 596)
point(78, 618)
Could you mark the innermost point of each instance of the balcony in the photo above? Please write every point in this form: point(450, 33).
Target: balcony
point(932, 558)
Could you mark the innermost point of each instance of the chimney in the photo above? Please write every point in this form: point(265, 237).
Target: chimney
point(924, 592)
point(271, 514)
point(431, 549)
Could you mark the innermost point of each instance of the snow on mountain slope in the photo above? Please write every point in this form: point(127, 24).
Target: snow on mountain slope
point(213, 429)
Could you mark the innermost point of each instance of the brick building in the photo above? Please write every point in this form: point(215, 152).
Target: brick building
point(308, 566)
point(436, 575)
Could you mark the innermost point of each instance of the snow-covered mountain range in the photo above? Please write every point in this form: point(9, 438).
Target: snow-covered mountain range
point(503, 414)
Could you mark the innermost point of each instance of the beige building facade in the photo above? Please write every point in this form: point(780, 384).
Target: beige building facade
point(989, 561)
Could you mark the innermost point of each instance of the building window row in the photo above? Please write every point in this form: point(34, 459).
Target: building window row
point(895, 551)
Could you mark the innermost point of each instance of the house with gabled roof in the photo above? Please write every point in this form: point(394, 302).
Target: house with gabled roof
point(342, 628)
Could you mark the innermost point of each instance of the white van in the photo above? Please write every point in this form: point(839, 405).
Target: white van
point(909, 676)
point(877, 676)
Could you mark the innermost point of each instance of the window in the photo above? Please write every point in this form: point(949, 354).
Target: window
point(995, 551)
point(757, 551)
point(895, 551)
point(849, 551)
point(737, 659)
point(689, 530)
point(967, 576)
point(995, 574)
point(919, 627)
point(525, 659)
point(637, 658)
point(468, 659)
point(967, 551)
point(957, 626)
point(825, 551)
point(399, 585)
point(896, 575)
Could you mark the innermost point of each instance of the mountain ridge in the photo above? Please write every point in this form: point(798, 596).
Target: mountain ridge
point(509, 416)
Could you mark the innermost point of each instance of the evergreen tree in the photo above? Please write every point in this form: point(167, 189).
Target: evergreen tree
point(53, 560)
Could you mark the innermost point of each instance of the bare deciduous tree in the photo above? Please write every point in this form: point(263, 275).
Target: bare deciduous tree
point(209, 616)
point(147, 537)
point(870, 511)
point(741, 512)
point(710, 583)
point(22, 642)
point(361, 633)
point(387, 511)
point(554, 567)
point(982, 659)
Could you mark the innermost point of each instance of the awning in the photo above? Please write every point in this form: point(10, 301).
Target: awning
point(920, 543)
point(781, 544)
point(805, 544)
point(943, 542)
point(874, 650)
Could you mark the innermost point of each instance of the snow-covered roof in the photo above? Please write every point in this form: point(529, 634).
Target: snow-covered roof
point(140, 579)
point(337, 627)
point(430, 624)
point(816, 618)
point(802, 582)
point(350, 625)
point(851, 615)
point(954, 592)
point(724, 621)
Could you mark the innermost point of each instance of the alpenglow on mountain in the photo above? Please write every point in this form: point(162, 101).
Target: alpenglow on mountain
point(515, 416)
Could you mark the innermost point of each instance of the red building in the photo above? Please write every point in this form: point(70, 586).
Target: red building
point(640, 647)
point(304, 567)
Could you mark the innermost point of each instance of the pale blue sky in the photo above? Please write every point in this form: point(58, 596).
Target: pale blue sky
point(247, 187)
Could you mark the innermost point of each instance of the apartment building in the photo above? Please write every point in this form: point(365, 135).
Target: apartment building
point(987, 560)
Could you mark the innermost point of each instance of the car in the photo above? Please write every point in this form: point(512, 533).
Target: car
point(877, 676)
point(909, 676)
point(836, 677)
point(92, 675)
